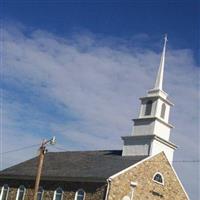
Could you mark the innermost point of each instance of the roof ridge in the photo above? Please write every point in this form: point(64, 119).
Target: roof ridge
point(74, 151)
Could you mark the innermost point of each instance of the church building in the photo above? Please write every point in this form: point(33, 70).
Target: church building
point(141, 170)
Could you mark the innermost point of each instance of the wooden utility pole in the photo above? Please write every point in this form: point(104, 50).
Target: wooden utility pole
point(39, 169)
point(42, 151)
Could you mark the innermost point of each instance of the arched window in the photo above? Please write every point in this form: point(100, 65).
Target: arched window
point(148, 107)
point(40, 193)
point(158, 178)
point(162, 114)
point(126, 198)
point(58, 194)
point(21, 193)
point(4, 192)
point(80, 195)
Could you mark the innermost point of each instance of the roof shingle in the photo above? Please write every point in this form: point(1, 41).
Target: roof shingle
point(97, 165)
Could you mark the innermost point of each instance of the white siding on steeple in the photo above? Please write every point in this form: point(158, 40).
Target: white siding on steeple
point(138, 150)
point(161, 130)
point(158, 111)
point(153, 127)
point(158, 147)
point(143, 128)
point(151, 130)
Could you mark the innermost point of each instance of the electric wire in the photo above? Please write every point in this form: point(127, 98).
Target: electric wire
point(63, 149)
point(20, 149)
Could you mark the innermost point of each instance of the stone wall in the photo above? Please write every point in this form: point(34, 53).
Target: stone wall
point(94, 191)
point(142, 174)
point(146, 188)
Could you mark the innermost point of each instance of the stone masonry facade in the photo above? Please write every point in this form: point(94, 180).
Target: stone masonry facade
point(94, 191)
point(146, 188)
point(142, 174)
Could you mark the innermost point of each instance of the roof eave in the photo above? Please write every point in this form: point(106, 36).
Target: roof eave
point(57, 178)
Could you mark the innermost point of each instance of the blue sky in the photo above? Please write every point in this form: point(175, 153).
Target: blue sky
point(114, 18)
point(76, 70)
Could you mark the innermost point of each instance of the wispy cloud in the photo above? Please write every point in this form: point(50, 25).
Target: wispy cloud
point(84, 89)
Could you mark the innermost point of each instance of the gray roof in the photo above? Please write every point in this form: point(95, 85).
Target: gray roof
point(74, 165)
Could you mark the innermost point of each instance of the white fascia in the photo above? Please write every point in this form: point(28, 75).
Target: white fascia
point(138, 163)
point(132, 166)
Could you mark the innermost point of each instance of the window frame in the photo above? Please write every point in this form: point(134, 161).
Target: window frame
point(18, 190)
point(148, 108)
point(158, 173)
point(126, 197)
point(41, 189)
point(163, 111)
point(55, 192)
point(2, 190)
point(76, 195)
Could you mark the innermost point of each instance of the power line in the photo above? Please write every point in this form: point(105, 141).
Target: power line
point(60, 148)
point(63, 149)
point(176, 161)
point(193, 161)
point(14, 150)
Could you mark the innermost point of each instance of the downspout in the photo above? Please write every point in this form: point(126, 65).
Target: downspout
point(108, 188)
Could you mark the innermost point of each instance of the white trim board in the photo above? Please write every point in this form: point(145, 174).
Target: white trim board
point(132, 166)
point(18, 190)
point(148, 158)
point(179, 180)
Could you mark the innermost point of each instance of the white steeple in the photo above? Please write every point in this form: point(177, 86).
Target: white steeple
point(159, 78)
point(151, 130)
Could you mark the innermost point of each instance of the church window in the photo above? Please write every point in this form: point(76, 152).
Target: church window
point(148, 107)
point(80, 195)
point(158, 178)
point(21, 193)
point(126, 198)
point(4, 192)
point(40, 193)
point(58, 194)
point(163, 111)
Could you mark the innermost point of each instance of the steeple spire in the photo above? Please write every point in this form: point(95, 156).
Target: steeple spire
point(159, 78)
point(151, 130)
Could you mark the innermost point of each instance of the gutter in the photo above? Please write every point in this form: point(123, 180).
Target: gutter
point(108, 188)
